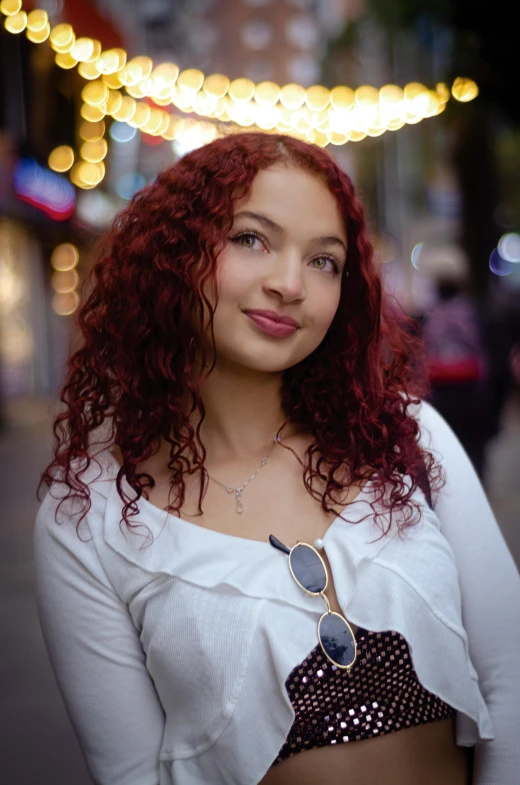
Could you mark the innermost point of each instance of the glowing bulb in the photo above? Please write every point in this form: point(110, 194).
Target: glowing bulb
point(241, 90)
point(317, 97)
point(95, 93)
point(356, 136)
point(114, 101)
point(38, 36)
point(65, 303)
point(190, 80)
point(216, 85)
point(91, 173)
point(16, 23)
point(164, 76)
point(64, 257)
point(141, 89)
point(137, 68)
point(114, 81)
point(267, 93)
point(62, 38)
point(113, 60)
point(292, 96)
point(65, 60)
point(83, 49)
point(92, 113)
point(367, 96)
point(91, 132)
point(417, 101)
point(89, 70)
point(390, 95)
point(61, 158)
point(141, 116)
point(10, 7)
point(464, 89)
point(155, 122)
point(337, 139)
point(64, 280)
point(443, 92)
point(37, 20)
point(94, 152)
point(96, 51)
point(126, 110)
point(342, 97)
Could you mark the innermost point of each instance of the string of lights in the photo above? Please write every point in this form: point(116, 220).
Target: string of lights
point(135, 92)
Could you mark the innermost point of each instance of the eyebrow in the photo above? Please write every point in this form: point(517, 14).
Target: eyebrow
point(274, 227)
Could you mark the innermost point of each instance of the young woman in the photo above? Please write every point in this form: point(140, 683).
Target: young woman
point(241, 574)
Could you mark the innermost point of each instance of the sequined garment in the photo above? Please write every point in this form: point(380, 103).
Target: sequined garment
point(381, 695)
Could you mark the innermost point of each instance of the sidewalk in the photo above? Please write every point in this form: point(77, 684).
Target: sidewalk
point(503, 476)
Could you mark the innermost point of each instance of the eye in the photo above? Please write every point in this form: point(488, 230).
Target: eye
point(250, 240)
point(327, 259)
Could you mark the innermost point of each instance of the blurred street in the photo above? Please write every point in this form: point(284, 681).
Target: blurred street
point(417, 103)
point(33, 717)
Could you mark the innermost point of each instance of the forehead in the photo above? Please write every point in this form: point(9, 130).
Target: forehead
point(296, 199)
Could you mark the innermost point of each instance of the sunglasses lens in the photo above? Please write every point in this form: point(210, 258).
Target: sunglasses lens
point(308, 568)
point(337, 639)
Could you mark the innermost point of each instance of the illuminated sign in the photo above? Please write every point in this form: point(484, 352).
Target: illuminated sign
point(47, 191)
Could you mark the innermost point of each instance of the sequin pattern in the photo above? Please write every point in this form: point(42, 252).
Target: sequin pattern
point(380, 695)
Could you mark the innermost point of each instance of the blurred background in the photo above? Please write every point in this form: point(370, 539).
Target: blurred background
point(418, 102)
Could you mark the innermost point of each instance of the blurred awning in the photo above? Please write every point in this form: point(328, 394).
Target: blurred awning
point(88, 21)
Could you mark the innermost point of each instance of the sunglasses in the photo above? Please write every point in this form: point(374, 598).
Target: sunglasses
point(308, 569)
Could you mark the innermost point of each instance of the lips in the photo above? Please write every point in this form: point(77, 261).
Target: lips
point(273, 316)
point(277, 329)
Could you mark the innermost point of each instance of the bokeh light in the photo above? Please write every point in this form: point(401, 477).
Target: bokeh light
point(16, 23)
point(509, 247)
point(415, 255)
point(498, 265)
point(64, 257)
point(122, 132)
point(64, 280)
point(464, 89)
point(10, 7)
point(129, 184)
point(334, 116)
point(61, 158)
point(65, 303)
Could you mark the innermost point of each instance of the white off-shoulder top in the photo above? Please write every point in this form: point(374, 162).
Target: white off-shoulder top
point(172, 659)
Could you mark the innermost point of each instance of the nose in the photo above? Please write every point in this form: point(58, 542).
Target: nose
point(285, 277)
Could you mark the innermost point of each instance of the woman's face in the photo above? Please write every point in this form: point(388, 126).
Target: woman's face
point(285, 253)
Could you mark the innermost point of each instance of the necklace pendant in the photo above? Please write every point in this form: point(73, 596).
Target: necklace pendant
point(239, 507)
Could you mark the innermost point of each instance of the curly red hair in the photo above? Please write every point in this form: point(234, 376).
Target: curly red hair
point(134, 367)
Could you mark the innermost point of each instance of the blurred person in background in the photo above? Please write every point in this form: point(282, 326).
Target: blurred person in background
point(459, 366)
point(343, 607)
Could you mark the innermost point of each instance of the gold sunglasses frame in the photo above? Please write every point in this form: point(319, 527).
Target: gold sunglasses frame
point(328, 612)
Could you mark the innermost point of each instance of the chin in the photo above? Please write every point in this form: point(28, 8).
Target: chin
point(270, 359)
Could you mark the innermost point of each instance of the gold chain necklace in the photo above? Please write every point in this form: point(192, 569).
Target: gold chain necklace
point(238, 490)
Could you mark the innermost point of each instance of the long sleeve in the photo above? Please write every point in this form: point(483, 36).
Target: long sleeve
point(490, 589)
point(97, 656)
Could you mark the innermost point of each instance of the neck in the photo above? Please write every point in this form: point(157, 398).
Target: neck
point(243, 416)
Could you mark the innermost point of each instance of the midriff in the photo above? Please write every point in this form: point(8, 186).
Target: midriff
point(422, 755)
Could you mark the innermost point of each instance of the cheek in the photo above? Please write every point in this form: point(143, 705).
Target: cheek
point(233, 278)
point(325, 308)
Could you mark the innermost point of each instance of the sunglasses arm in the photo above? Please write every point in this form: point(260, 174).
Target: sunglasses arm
point(277, 544)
